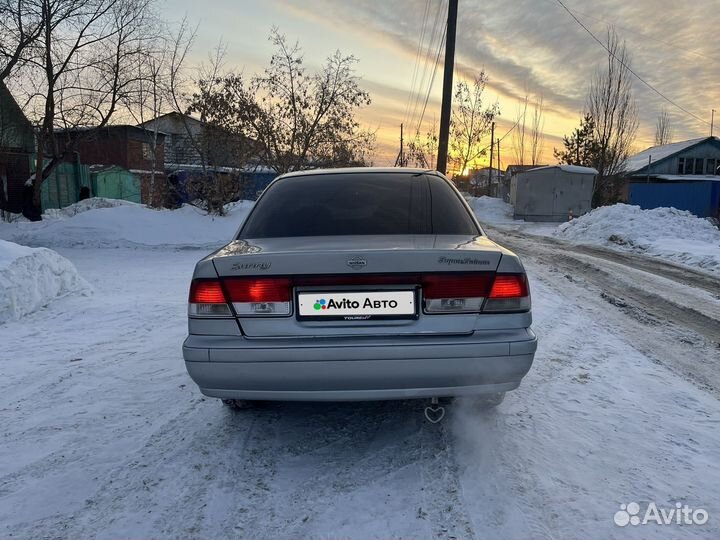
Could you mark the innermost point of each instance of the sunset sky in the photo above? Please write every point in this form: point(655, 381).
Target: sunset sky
point(526, 47)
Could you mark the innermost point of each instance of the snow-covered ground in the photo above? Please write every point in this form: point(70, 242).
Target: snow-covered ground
point(97, 224)
point(31, 278)
point(499, 214)
point(667, 233)
point(105, 436)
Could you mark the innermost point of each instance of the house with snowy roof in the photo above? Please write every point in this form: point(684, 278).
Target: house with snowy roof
point(684, 175)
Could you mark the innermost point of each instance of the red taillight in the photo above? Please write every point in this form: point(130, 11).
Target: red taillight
point(206, 292)
point(509, 286)
point(509, 294)
point(243, 290)
point(456, 285)
point(207, 299)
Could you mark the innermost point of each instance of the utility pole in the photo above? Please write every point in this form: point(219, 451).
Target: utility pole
point(712, 121)
point(400, 160)
point(492, 147)
point(446, 110)
point(498, 145)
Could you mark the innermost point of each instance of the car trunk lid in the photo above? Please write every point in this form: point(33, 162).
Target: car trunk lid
point(337, 267)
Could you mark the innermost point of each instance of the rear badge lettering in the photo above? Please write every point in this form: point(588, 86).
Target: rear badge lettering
point(252, 266)
point(466, 260)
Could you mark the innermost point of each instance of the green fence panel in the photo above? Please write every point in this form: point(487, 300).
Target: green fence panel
point(116, 184)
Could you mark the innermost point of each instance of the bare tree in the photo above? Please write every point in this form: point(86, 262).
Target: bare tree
point(663, 129)
point(470, 123)
point(527, 140)
point(422, 151)
point(223, 155)
point(150, 100)
point(612, 106)
point(536, 135)
point(519, 133)
point(20, 27)
point(161, 87)
point(83, 64)
point(296, 120)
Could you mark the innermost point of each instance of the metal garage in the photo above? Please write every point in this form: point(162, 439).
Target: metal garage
point(552, 193)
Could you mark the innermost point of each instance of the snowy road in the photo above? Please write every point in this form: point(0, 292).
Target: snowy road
point(104, 435)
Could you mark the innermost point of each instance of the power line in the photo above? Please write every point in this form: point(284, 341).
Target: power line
point(651, 87)
point(503, 137)
point(432, 80)
point(647, 36)
point(417, 59)
point(428, 59)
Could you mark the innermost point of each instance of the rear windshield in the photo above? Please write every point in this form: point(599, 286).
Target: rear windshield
point(358, 204)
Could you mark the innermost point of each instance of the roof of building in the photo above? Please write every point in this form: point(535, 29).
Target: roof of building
point(658, 153)
point(15, 128)
point(173, 114)
point(520, 168)
point(575, 169)
point(686, 177)
point(110, 127)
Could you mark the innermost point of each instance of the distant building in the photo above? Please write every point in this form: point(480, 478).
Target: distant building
point(480, 180)
point(17, 145)
point(552, 193)
point(131, 148)
point(197, 152)
point(191, 144)
point(684, 175)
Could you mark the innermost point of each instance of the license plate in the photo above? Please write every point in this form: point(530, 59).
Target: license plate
point(357, 305)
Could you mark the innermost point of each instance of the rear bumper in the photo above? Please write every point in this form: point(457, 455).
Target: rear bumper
point(359, 369)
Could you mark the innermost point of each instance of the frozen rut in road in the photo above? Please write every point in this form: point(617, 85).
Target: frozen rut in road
point(105, 436)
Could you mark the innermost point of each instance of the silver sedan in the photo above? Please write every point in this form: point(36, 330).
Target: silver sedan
point(359, 284)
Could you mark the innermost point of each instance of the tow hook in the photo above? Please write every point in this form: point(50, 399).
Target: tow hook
point(435, 412)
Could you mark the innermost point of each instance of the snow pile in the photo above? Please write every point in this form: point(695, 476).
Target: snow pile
point(491, 210)
point(130, 225)
point(669, 233)
point(84, 206)
point(31, 278)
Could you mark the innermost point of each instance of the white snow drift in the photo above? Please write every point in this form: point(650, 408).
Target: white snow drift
point(31, 278)
point(669, 233)
point(93, 223)
point(83, 206)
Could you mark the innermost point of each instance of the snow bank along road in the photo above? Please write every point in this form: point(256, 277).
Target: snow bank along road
point(104, 435)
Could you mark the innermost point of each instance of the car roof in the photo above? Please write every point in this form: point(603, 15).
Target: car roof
point(359, 170)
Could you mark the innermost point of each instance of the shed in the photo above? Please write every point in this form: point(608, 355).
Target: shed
point(113, 182)
point(552, 193)
point(62, 187)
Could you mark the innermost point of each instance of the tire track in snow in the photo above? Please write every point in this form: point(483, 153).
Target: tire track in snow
point(680, 333)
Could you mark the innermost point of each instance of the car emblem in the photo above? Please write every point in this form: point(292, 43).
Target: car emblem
point(356, 263)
